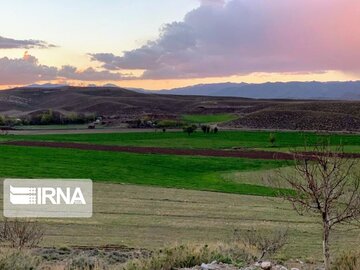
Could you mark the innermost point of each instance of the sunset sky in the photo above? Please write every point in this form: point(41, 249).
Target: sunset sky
point(157, 44)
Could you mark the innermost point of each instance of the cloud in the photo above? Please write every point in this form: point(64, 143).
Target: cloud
point(24, 70)
point(238, 37)
point(89, 74)
point(28, 70)
point(212, 2)
point(9, 43)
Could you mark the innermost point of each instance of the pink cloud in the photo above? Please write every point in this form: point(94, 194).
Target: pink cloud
point(245, 36)
point(28, 70)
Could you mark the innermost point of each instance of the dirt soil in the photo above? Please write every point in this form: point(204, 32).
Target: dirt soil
point(156, 150)
point(251, 154)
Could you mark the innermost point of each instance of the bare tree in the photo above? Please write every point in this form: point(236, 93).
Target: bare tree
point(21, 233)
point(324, 183)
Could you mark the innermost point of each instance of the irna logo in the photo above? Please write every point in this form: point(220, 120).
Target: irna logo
point(47, 198)
point(46, 195)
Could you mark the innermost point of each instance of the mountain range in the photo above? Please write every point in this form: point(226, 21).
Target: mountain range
point(272, 90)
point(278, 90)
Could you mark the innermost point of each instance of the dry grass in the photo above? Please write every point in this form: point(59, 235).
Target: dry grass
point(347, 261)
point(153, 218)
point(192, 255)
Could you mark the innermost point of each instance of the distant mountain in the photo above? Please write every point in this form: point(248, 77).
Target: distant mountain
point(110, 85)
point(46, 86)
point(278, 90)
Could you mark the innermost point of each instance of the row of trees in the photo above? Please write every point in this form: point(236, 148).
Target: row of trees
point(48, 118)
point(209, 129)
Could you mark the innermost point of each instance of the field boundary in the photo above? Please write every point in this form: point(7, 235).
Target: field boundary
point(249, 154)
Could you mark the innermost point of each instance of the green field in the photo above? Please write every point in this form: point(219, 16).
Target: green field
point(149, 213)
point(209, 118)
point(222, 140)
point(200, 173)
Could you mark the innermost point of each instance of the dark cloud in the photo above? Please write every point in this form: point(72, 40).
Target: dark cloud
point(9, 43)
point(243, 36)
point(28, 70)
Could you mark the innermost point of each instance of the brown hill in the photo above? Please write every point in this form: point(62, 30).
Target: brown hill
point(126, 104)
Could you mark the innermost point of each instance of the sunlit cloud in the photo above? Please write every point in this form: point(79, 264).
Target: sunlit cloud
point(9, 43)
point(240, 37)
point(26, 70)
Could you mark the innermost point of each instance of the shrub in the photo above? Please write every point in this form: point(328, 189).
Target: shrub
point(21, 233)
point(83, 262)
point(265, 242)
point(19, 261)
point(347, 261)
point(188, 256)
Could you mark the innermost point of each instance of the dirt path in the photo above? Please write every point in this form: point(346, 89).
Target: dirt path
point(157, 150)
point(251, 154)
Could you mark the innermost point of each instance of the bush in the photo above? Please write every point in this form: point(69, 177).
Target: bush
point(265, 242)
point(21, 234)
point(347, 261)
point(188, 256)
point(83, 262)
point(19, 261)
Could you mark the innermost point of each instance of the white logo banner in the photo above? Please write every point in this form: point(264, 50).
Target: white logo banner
point(47, 198)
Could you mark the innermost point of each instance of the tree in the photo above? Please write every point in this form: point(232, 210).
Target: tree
point(324, 183)
point(272, 139)
point(190, 129)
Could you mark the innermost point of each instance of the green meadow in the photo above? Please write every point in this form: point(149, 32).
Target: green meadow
point(187, 172)
point(209, 118)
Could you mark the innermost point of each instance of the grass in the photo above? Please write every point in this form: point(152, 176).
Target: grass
point(153, 217)
point(209, 118)
point(199, 173)
point(221, 140)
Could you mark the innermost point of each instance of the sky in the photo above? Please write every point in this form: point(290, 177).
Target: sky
point(162, 44)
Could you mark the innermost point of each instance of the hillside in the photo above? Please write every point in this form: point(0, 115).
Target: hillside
point(124, 105)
